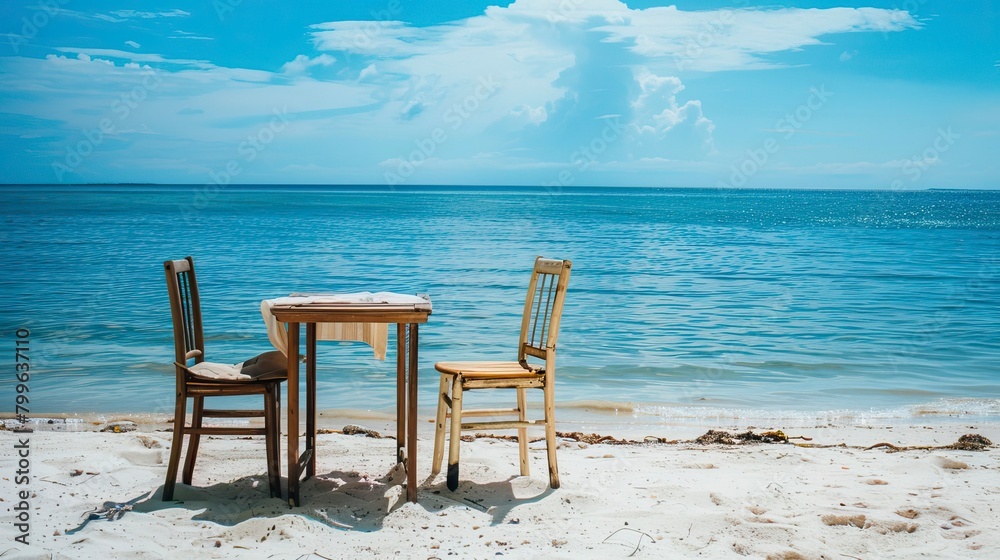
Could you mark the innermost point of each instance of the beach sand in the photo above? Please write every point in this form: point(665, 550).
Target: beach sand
point(647, 500)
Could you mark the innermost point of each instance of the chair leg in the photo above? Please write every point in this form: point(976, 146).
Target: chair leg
point(276, 434)
point(270, 442)
point(550, 435)
point(522, 433)
point(193, 440)
point(442, 418)
point(180, 410)
point(456, 432)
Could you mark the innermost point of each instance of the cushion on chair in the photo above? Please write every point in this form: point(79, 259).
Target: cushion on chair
point(265, 367)
point(487, 369)
point(212, 371)
point(269, 365)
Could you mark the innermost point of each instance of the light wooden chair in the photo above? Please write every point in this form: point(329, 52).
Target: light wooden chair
point(197, 379)
point(539, 331)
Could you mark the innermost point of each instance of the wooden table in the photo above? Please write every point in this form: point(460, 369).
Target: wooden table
point(406, 317)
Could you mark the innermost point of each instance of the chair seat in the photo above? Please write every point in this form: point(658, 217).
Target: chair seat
point(505, 370)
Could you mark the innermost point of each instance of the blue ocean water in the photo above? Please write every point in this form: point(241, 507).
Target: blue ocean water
point(684, 303)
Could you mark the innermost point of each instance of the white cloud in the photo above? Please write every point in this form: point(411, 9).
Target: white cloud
point(103, 17)
point(719, 40)
point(412, 108)
point(519, 87)
point(303, 63)
point(534, 115)
point(657, 111)
point(385, 38)
point(550, 59)
point(566, 11)
point(136, 57)
point(117, 16)
point(178, 34)
point(182, 117)
point(651, 84)
point(369, 72)
point(661, 164)
point(885, 169)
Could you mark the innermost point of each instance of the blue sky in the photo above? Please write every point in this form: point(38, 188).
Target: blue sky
point(894, 95)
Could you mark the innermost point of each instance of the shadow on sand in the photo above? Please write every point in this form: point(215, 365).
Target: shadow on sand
point(340, 499)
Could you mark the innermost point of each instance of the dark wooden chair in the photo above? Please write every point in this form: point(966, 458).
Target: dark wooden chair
point(197, 379)
point(539, 331)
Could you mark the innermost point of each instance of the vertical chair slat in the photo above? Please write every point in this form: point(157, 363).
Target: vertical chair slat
point(184, 280)
point(551, 279)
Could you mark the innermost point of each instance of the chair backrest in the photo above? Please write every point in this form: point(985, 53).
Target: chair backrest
point(543, 309)
point(185, 310)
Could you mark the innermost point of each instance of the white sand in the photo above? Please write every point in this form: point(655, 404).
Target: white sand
point(679, 500)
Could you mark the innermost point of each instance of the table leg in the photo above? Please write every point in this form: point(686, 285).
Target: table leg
point(411, 423)
point(401, 349)
point(293, 414)
point(311, 399)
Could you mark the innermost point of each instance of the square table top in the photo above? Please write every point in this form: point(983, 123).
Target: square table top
point(316, 309)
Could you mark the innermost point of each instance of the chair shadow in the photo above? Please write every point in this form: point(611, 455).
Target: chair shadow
point(344, 500)
point(497, 499)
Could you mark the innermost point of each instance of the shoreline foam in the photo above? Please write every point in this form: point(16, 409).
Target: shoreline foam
point(614, 416)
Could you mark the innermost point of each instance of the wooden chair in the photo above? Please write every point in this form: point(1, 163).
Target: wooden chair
point(539, 330)
point(197, 379)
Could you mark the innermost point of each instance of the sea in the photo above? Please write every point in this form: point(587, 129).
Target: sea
point(685, 305)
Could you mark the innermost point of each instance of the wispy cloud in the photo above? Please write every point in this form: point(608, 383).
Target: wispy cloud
point(130, 14)
point(742, 39)
point(118, 16)
point(179, 34)
point(153, 58)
